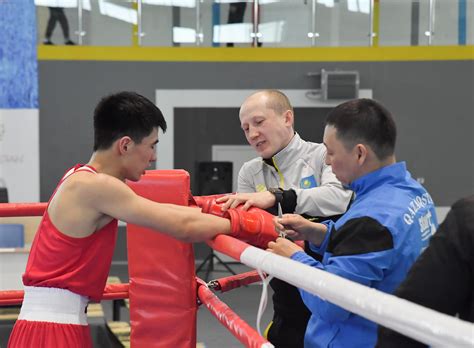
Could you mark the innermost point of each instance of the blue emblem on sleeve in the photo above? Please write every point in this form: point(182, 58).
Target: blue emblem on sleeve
point(308, 182)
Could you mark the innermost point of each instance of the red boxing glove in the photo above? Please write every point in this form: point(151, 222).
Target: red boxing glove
point(254, 226)
point(208, 204)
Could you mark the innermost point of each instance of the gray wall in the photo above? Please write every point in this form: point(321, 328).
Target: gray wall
point(432, 103)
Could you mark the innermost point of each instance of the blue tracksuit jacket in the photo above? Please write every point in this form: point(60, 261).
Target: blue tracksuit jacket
point(374, 243)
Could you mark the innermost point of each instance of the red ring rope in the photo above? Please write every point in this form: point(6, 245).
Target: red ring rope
point(247, 335)
point(111, 292)
point(22, 209)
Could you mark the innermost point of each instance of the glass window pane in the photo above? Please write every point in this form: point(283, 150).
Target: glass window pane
point(445, 22)
point(157, 23)
point(326, 12)
point(227, 23)
point(171, 22)
point(470, 22)
point(343, 23)
point(395, 23)
point(284, 23)
point(109, 23)
point(186, 23)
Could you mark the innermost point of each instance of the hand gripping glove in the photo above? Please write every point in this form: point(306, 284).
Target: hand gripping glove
point(254, 226)
point(208, 204)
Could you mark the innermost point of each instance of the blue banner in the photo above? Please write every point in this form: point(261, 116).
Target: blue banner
point(18, 59)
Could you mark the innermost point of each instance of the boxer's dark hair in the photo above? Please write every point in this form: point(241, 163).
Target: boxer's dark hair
point(364, 121)
point(125, 114)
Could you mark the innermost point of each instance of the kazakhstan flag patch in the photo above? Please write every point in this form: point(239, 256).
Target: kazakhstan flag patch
point(308, 182)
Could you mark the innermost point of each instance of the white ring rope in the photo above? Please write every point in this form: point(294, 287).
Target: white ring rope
point(423, 324)
point(263, 299)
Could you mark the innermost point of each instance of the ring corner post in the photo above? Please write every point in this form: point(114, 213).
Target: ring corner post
point(161, 271)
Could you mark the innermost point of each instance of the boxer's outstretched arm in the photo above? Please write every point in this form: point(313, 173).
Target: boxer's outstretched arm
point(112, 197)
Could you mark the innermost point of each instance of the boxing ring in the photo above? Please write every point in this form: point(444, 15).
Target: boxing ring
point(165, 293)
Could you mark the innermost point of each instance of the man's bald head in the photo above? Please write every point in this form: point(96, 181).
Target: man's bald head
point(274, 99)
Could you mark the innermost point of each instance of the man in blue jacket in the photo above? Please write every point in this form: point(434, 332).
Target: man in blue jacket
point(378, 239)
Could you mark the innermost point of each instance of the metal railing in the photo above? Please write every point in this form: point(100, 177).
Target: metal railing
point(281, 23)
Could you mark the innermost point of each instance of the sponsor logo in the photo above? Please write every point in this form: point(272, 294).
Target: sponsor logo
point(427, 226)
point(415, 205)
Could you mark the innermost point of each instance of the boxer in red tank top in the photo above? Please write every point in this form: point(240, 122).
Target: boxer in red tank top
point(72, 250)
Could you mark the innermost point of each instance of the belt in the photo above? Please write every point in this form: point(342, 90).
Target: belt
point(53, 305)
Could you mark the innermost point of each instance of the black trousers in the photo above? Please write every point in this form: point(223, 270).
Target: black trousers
point(287, 332)
point(56, 14)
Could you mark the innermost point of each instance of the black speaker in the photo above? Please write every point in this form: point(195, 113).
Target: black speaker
point(214, 178)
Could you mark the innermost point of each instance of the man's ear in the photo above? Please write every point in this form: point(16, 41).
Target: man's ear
point(289, 117)
point(361, 152)
point(124, 144)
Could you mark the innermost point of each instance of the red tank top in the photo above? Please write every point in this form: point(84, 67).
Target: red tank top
point(80, 265)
